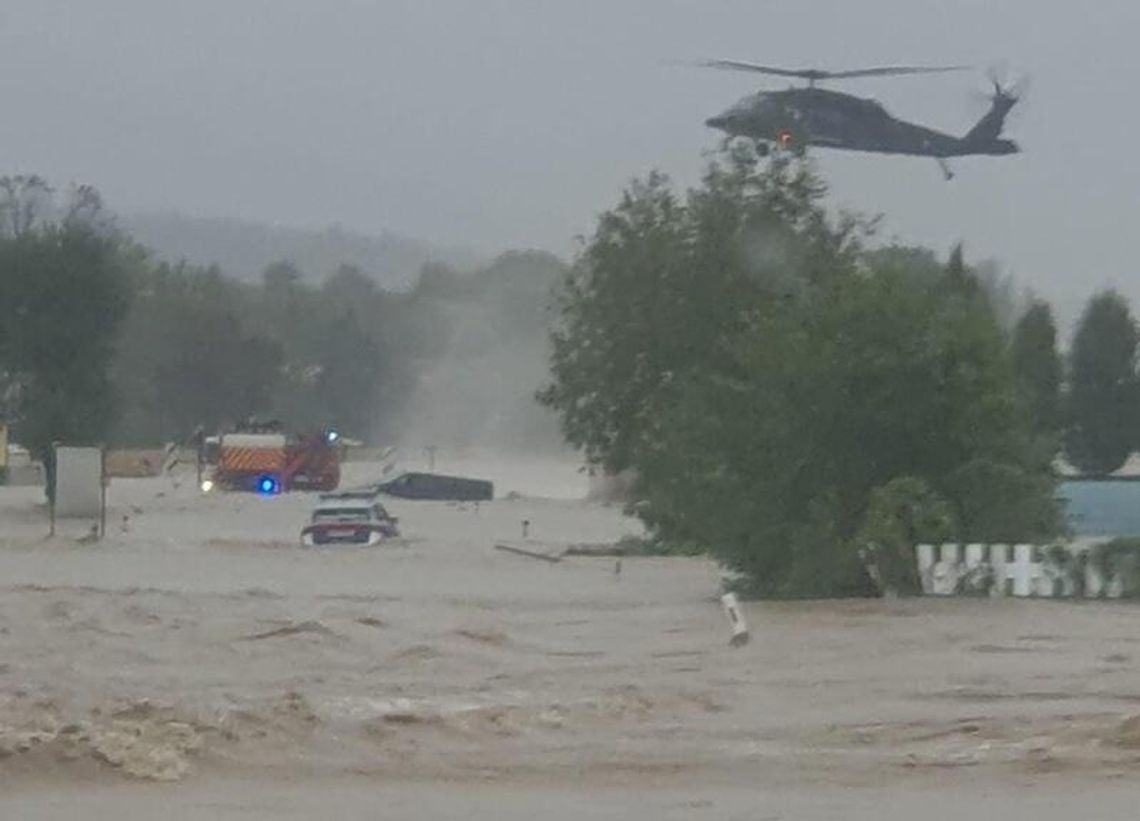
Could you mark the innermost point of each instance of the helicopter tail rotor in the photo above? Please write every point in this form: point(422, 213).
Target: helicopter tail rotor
point(1004, 88)
point(1004, 97)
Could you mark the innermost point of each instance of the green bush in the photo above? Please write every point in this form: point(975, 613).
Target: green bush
point(902, 513)
point(1119, 559)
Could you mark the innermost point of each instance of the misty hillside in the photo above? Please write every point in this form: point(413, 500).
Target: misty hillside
point(243, 248)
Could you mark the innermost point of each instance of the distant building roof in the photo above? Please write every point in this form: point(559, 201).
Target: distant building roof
point(1129, 470)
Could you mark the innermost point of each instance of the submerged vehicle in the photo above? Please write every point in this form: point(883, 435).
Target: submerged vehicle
point(435, 487)
point(251, 462)
point(264, 460)
point(349, 518)
point(312, 462)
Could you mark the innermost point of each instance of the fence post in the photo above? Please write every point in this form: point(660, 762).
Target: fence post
point(102, 491)
point(49, 480)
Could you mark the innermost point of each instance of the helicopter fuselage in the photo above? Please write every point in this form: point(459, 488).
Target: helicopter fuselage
point(801, 117)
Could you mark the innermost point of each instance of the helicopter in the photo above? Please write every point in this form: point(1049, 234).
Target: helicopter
point(802, 117)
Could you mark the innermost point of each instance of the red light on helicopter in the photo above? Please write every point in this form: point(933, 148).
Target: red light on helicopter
point(784, 138)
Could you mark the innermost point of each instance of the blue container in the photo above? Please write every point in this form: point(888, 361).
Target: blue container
point(1102, 507)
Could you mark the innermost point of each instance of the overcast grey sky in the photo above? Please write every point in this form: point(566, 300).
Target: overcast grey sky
point(502, 123)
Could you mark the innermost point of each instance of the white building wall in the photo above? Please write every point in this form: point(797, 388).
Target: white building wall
point(78, 481)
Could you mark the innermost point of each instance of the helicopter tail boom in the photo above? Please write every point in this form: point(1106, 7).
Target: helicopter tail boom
point(988, 129)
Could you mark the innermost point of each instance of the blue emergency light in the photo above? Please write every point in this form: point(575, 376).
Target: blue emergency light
point(267, 486)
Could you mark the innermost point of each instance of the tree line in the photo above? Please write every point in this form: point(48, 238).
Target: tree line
point(99, 343)
point(806, 407)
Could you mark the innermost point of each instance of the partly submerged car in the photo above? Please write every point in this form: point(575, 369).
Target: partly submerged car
point(349, 518)
point(438, 488)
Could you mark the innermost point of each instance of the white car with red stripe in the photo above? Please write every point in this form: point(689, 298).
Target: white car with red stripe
point(349, 518)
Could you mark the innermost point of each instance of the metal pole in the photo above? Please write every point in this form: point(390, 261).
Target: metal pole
point(102, 491)
point(49, 478)
point(199, 445)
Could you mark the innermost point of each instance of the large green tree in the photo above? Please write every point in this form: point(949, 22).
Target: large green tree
point(766, 380)
point(1103, 399)
point(64, 288)
point(666, 282)
point(1038, 366)
point(623, 324)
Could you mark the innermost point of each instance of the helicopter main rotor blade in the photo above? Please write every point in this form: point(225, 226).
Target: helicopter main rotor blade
point(738, 65)
point(814, 74)
point(892, 71)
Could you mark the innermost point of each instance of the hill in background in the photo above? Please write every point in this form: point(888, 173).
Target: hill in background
point(243, 248)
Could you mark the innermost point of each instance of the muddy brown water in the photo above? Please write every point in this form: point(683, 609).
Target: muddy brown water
point(198, 661)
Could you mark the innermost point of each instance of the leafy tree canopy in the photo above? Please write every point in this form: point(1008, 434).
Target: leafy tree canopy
point(1038, 366)
point(65, 286)
point(1104, 393)
point(763, 376)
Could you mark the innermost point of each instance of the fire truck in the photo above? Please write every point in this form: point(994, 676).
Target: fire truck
point(261, 458)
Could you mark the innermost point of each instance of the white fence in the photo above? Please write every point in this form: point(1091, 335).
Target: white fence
point(1010, 570)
